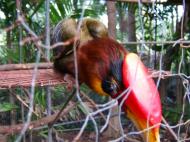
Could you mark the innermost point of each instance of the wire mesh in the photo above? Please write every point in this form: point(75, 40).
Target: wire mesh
point(91, 115)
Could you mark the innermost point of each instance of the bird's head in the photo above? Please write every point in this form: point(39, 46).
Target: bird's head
point(141, 102)
point(111, 71)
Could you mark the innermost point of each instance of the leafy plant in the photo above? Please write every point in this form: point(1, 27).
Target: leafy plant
point(5, 106)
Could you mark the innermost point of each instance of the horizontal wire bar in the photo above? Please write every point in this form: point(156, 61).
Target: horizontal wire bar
point(157, 42)
point(146, 42)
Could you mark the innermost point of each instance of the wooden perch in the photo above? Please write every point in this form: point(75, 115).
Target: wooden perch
point(15, 75)
point(23, 78)
point(9, 67)
point(34, 124)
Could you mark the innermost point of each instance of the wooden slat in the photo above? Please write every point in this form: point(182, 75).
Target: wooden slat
point(20, 75)
point(15, 78)
point(8, 67)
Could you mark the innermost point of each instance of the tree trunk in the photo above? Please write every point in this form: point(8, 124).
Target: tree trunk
point(111, 11)
point(131, 26)
point(122, 21)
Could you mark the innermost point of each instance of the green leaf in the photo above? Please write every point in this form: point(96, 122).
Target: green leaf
point(37, 8)
point(54, 14)
point(60, 7)
point(7, 107)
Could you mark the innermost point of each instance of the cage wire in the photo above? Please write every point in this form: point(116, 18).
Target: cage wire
point(91, 115)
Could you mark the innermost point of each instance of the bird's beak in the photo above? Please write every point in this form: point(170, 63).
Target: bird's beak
point(149, 134)
point(142, 105)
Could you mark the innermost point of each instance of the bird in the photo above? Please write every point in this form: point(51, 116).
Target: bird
point(109, 69)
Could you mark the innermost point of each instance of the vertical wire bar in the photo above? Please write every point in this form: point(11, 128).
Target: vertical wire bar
point(22, 113)
point(141, 26)
point(50, 129)
point(47, 29)
point(18, 11)
point(155, 34)
point(47, 43)
point(20, 58)
point(180, 67)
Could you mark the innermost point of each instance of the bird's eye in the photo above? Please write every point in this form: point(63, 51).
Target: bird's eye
point(110, 87)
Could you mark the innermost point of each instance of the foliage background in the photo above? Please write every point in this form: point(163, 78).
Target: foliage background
point(156, 23)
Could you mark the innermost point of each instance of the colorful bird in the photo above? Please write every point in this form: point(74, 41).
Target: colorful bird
point(109, 69)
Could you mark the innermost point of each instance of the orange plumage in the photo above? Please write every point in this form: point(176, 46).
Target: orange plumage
point(99, 63)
